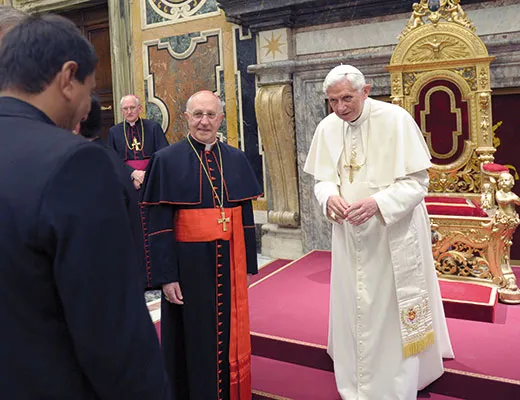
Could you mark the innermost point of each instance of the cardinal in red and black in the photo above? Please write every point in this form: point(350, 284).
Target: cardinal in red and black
point(200, 247)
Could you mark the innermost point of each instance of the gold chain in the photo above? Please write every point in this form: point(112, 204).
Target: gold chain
point(142, 136)
point(221, 200)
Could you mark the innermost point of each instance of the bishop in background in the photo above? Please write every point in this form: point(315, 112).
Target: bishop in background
point(387, 331)
point(135, 139)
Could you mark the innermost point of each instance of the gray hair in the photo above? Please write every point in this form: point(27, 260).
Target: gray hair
point(341, 72)
point(219, 102)
point(132, 96)
point(9, 16)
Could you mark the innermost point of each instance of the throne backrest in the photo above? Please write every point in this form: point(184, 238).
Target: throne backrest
point(440, 73)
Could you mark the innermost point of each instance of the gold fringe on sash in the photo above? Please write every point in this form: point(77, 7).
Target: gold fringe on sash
point(411, 349)
point(416, 326)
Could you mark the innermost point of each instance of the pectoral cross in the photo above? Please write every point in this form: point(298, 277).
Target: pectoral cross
point(223, 220)
point(136, 145)
point(352, 166)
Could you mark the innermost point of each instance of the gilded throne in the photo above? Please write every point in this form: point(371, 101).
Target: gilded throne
point(440, 73)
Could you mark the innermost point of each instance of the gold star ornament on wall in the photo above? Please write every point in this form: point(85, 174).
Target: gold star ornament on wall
point(273, 45)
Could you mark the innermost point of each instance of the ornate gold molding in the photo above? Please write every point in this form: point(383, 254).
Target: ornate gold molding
point(471, 248)
point(449, 10)
point(275, 116)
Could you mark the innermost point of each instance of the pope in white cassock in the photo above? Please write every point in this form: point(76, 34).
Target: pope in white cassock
point(387, 330)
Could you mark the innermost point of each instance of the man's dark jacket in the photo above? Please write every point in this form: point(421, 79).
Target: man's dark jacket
point(74, 321)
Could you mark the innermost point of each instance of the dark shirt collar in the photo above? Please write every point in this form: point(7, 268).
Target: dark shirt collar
point(10, 106)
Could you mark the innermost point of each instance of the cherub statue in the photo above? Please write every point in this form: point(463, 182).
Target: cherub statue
point(506, 199)
point(457, 14)
point(417, 16)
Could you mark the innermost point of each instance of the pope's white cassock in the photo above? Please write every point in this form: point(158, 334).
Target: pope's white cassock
point(387, 330)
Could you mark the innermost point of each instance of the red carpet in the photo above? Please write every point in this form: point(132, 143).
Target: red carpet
point(289, 319)
point(268, 268)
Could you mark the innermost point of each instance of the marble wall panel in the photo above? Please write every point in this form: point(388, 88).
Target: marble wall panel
point(164, 12)
point(172, 81)
point(310, 109)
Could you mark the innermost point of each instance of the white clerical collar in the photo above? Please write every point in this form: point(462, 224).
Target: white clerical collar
point(363, 116)
point(207, 147)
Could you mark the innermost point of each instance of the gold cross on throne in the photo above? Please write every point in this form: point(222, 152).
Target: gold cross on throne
point(223, 220)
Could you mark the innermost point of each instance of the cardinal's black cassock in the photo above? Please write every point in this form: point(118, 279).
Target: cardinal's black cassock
point(199, 231)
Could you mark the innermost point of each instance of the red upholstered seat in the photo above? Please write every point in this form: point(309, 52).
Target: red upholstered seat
point(494, 168)
point(456, 206)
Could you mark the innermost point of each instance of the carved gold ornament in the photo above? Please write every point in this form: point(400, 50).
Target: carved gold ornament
point(438, 48)
point(449, 10)
point(439, 43)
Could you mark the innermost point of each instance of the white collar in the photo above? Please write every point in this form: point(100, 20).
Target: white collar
point(363, 116)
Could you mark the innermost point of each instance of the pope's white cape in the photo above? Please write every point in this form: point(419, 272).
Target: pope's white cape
point(395, 146)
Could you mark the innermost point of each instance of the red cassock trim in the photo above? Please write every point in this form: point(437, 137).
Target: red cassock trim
point(201, 225)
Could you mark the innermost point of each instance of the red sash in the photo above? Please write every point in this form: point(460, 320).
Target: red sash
point(138, 164)
point(202, 225)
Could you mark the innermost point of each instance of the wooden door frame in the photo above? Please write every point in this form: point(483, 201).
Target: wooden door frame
point(121, 46)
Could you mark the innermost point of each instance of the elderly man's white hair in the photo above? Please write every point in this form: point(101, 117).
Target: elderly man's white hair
point(130, 96)
point(337, 74)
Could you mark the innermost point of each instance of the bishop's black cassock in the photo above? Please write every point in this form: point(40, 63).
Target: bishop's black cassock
point(186, 242)
point(136, 146)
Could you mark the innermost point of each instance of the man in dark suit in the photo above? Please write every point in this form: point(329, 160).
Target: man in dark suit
point(135, 139)
point(74, 321)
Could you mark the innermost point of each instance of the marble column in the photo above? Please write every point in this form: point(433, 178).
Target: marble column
point(275, 115)
point(121, 48)
point(281, 236)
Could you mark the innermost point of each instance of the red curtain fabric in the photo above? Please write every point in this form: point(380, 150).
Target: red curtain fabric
point(506, 124)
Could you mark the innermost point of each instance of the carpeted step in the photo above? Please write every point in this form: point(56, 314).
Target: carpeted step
point(274, 379)
point(286, 381)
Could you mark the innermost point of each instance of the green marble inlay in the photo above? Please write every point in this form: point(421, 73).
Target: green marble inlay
point(223, 125)
point(209, 6)
point(151, 15)
point(153, 113)
point(181, 43)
